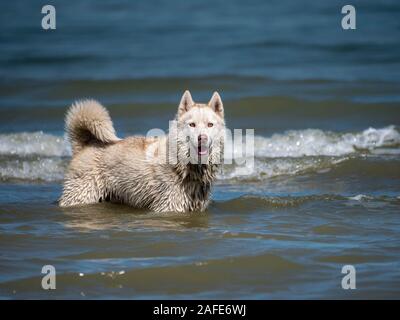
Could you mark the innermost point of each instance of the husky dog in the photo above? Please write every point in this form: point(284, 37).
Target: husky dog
point(172, 172)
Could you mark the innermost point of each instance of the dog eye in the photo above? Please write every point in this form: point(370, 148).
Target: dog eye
point(192, 124)
point(210, 124)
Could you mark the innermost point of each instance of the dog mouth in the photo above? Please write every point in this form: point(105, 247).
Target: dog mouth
point(202, 150)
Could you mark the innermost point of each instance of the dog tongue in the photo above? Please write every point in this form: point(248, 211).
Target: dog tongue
point(201, 150)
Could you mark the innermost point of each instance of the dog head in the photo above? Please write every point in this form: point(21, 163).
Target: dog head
point(201, 130)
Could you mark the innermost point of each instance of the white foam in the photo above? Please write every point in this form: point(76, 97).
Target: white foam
point(268, 168)
point(360, 197)
point(47, 169)
point(33, 143)
point(314, 142)
point(310, 150)
point(40, 156)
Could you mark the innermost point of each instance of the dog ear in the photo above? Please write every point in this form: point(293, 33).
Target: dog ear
point(185, 104)
point(216, 104)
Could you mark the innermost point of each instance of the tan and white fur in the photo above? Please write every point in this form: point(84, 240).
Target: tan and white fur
point(136, 170)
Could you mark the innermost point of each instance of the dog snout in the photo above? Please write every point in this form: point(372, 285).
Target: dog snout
point(202, 139)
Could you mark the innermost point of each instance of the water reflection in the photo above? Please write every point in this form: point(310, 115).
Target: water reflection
point(124, 218)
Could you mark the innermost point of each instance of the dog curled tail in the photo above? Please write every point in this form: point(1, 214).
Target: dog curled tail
point(88, 123)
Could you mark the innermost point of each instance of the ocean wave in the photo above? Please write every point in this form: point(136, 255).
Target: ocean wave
point(44, 157)
point(264, 168)
point(360, 197)
point(311, 150)
point(314, 142)
point(253, 202)
point(34, 143)
point(39, 169)
point(249, 203)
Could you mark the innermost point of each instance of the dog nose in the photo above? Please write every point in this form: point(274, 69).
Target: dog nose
point(202, 138)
